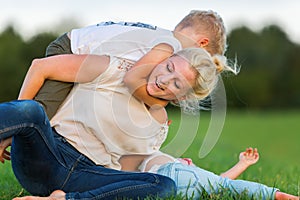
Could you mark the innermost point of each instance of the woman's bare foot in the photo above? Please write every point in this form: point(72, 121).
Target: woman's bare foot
point(56, 195)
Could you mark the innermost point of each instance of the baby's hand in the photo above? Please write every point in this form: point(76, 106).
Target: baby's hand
point(249, 157)
point(186, 161)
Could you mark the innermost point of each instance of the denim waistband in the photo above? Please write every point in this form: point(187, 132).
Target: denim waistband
point(72, 150)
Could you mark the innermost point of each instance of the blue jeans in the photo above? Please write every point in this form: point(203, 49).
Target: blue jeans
point(192, 180)
point(43, 161)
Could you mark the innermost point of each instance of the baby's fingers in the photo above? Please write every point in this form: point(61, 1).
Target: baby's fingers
point(249, 151)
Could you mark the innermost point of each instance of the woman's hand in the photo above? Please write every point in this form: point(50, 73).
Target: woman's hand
point(5, 154)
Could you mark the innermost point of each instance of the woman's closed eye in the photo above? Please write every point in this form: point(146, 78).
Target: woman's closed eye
point(177, 84)
point(170, 67)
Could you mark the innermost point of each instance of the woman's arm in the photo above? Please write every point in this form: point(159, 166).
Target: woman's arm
point(136, 78)
point(67, 68)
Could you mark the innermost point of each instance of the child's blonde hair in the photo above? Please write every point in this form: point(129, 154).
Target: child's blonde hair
point(208, 69)
point(208, 22)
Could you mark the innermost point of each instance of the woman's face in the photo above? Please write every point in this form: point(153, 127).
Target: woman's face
point(171, 79)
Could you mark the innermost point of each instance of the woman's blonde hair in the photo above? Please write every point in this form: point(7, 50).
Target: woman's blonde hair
point(209, 22)
point(208, 69)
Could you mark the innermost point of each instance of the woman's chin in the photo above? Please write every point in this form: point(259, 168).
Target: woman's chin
point(151, 91)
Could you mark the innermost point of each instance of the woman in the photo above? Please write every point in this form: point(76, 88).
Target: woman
point(97, 124)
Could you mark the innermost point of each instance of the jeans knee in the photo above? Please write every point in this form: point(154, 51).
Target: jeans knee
point(168, 186)
point(30, 109)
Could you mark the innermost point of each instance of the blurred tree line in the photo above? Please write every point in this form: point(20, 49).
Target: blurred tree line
point(15, 58)
point(270, 65)
point(268, 77)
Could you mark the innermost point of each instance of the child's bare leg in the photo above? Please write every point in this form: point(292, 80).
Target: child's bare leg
point(56, 195)
point(285, 196)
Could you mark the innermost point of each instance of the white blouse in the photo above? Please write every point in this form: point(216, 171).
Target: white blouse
point(103, 121)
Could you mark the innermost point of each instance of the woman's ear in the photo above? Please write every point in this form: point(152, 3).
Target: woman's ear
point(182, 98)
point(176, 101)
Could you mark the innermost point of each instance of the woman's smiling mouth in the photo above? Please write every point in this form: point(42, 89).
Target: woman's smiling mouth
point(159, 85)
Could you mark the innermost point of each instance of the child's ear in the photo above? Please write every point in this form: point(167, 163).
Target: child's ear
point(203, 42)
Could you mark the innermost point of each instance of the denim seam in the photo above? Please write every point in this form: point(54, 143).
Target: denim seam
point(32, 125)
point(10, 128)
point(116, 191)
point(128, 188)
point(71, 171)
point(49, 146)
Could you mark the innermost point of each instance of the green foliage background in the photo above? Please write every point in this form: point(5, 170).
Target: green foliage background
point(269, 69)
point(15, 58)
point(268, 79)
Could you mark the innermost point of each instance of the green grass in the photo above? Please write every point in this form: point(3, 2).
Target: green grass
point(275, 134)
point(8, 183)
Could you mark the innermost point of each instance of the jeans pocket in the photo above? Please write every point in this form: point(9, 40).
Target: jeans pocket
point(186, 178)
point(68, 155)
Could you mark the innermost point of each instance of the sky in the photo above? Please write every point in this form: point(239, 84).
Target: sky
point(33, 16)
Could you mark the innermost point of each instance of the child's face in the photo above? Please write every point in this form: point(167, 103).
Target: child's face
point(171, 79)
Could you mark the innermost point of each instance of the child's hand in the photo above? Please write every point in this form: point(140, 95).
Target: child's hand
point(186, 161)
point(249, 157)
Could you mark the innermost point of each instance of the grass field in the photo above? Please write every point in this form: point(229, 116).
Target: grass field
point(275, 134)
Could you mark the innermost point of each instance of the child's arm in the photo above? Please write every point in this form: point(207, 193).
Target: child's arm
point(136, 78)
point(246, 158)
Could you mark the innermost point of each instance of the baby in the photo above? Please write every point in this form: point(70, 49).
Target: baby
point(192, 180)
